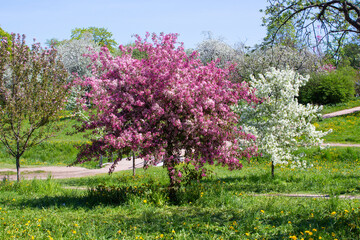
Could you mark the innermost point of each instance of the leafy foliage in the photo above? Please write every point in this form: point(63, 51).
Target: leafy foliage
point(282, 57)
point(329, 87)
point(164, 106)
point(100, 36)
point(336, 19)
point(32, 92)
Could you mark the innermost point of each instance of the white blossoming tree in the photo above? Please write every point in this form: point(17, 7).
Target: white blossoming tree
point(279, 122)
point(216, 50)
point(261, 60)
point(72, 54)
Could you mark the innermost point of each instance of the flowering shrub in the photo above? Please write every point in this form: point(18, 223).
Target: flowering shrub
point(164, 106)
point(280, 123)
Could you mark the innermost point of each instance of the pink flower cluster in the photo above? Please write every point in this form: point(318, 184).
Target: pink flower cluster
point(327, 68)
point(164, 106)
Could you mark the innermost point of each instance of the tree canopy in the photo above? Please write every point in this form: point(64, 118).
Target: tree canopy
point(101, 36)
point(316, 21)
point(164, 106)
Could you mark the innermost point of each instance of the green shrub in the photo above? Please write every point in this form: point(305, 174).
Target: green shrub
point(329, 88)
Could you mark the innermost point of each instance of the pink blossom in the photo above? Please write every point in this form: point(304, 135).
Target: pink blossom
point(163, 104)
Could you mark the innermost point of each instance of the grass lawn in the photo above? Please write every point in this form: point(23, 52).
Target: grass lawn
point(222, 206)
point(341, 106)
point(345, 129)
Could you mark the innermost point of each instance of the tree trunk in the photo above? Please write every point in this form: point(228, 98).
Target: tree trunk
point(134, 164)
point(18, 168)
point(272, 169)
point(172, 190)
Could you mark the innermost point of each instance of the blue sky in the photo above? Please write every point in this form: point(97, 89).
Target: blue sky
point(233, 20)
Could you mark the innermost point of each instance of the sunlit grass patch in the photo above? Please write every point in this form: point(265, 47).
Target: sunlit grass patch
point(345, 129)
point(341, 106)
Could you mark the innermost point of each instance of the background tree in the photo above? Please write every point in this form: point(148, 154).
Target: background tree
point(32, 93)
point(52, 42)
point(284, 36)
point(164, 106)
point(4, 34)
point(350, 55)
point(262, 59)
point(216, 50)
point(336, 18)
point(73, 55)
point(100, 36)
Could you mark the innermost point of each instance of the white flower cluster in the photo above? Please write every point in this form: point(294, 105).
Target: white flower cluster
point(72, 54)
point(213, 49)
point(281, 57)
point(280, 123)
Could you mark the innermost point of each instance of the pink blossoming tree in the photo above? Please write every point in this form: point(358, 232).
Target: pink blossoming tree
point(164, 106)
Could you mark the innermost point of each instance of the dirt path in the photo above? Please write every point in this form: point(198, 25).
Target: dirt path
point(67, 172)
point(342, 112)
point(77, 172)
point(341, 144)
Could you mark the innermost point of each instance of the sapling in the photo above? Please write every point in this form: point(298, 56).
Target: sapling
point(33, 91)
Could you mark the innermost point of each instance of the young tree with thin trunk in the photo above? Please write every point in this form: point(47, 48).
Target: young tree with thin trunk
point(33, 90)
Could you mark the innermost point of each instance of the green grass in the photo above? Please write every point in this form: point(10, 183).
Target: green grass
point(222, 206)
point(341, 106)
point(345, 129)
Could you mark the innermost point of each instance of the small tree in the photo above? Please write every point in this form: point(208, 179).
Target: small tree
point(32, 92)
point(164, 106)
point(280, 123)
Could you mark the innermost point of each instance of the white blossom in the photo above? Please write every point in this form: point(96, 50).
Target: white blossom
point(280, 123)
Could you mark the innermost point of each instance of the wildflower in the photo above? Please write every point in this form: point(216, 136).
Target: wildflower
point(145, 201)
point(247, 234)
point(73, 231)
point(333, 213)
point(293, 237)
point(161, 235)
point(262, 211)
